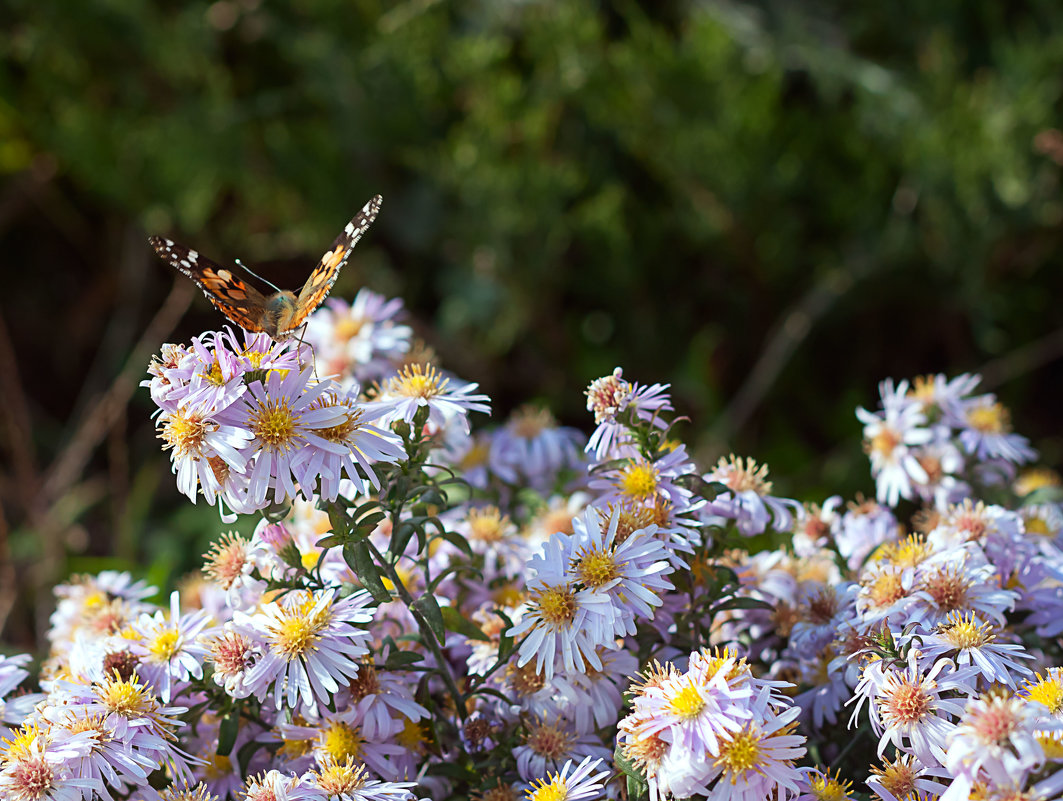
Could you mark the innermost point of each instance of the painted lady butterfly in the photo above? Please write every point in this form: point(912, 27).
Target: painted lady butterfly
point(282, 313)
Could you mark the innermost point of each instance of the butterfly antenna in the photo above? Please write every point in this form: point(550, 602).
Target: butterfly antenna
point(253, 274)
point(299, 346)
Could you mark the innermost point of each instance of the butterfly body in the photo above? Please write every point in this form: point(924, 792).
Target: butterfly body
point(281, 313)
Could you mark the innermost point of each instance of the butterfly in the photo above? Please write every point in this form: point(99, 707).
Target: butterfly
point(282, 313)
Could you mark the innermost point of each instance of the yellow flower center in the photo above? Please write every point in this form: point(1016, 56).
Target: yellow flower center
point(638, 480)
point(990, 419)
point(739, 754)
point(342, 741)
point(274, 424)
point(184, 433)
point(596, 569)
point(418, 381)
point(557, 606)
point(164, 646)
point(687, 702)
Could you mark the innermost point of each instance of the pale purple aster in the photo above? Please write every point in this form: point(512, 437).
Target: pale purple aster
point(218, 377)
point(380, 697)
point(232, 653)
point(863, 528)
point(334, 736)
point(560, 619)
point(959, 579)
point(969, 641)
point(985, 431)
point(942, 462)
point(363, 446)
point(769, 735)
point(889, 438)
point(546, 743)
point(207, 452)
point(532, 447)
point(583, 783)
point(281, 416)
point(129, 712)
point(997, 737)
point(418, 386)
point(607, 397)
point(106, 758)
point(348, 781)
point(170, 373)
point(914, 777)
point(632, 571)
point(313, 642)
point(639, 480)
point(748, 499)
point(912, 710)
point(260, 352)
point(694, 710)
point(169, 649)
point(41, 770)
point(275, 786)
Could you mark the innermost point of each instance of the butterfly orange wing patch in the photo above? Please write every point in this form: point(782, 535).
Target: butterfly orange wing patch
point(321, 280)
point(237, 300)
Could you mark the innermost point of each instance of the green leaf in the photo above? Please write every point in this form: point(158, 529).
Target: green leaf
point(227, 731)
point(455, 621)
point(743, 603)
point(341, 524)
point(428, 606)
point(357, 555)
point(458, 541)
point(401, 536)
point(398, 659)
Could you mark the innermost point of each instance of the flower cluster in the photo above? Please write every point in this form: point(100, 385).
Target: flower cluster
point(424, 610)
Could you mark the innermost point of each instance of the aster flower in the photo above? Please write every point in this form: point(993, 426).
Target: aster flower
point(204, 451)
point(986, 431)
point(996, 736)
point(549, 743)
point(749, 501)
point(889, 437)
point(632, 570)
point(561, 621)
point(312, 641)
point(361, 445)
point(282, 418)
point(275, 786)
point(36, 767)
point(910, 709)
point(532, 447)
point(348, 781)
point(169, 650)
point(638, 480)
point(608, 398)
point(333, 737)
point(583, 783)
point(905, 778)
point(692, 710)
point(969, 641)
point(817, 784)
point(418, 386)
point(757, 760)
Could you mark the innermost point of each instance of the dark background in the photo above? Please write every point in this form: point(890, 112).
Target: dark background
point(770, 206)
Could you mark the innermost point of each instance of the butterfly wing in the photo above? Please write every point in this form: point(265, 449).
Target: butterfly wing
point(241, 303)
point(320, 282)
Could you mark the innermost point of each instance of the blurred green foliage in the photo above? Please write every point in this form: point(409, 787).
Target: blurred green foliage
point(771, 206)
